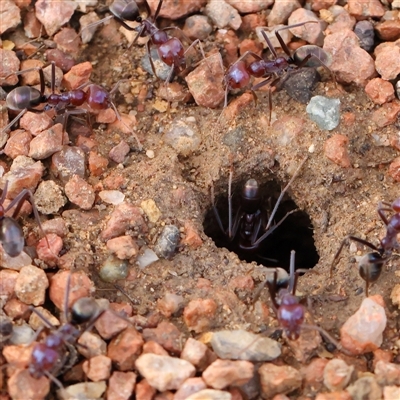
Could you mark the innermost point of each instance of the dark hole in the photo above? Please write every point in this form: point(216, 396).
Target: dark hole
point(295, 233)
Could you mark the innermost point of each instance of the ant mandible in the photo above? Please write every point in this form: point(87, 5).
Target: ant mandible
point(239, 74)
point(370, 265)
point(249, 227)
point(25, 98)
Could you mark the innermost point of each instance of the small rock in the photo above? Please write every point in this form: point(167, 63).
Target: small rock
point(18, 356)
point(125, 216)
point(151, 210)
point(196, 353)
point(35, 322)
point(77, 75)
point(252, 347)
point(362, 10)
point(68, 162)
point(91, 345)
point(341, 20)
point(14, 308)
point(205, 82)
point(84, 21)
point(21, 385)
point(154, 348)
point(22, 335)
point(199, 314)
point(281, 11)
point(80, 286)
point(14, 263)
point(210, 394)
point(300, 83)
point(97, 163)
point(189, 387)
point(388, 30)
point(183, 135)
point(84, 390)
point(385, 54)
point(192, 237)
point(119, 152)
point(336, 150)
point(342, 395)
point(311, 33)
point(49, 248)
point(386, 114)
point(97, 368)
point(251, 21)
point(235, 107)
point(387, 373)
point(47, 143)
point(324, 112)
point(167, 241)
point(174, 92)
point(250, 6)
point(80, 192)
point(288, 128)
point(10, 16)
point(177, 9)
point(164, 372)
point(366, 34)
point(379, 91)
point(35, 122)
point(391, 392)
point(362, 332)
point(124, 247)
point(223, 373)
point(8, 280)
point(278, 379)
point(113, 269)
point(30, 78)
point(167, 335)
point(313, 373)
point(197, 27)
point(31, 285)
point(9, 63)
point(365, 388)
point(53, 14)
point(223, 14)
point(113, 197)
point(18, 144)
point(121, 385)
point(56, 225)
point(163, 70)
point(63, 60)
point(170, 304)
point(337, 374)
point(49, 198)
point(350, 63)
point(109, 324)
point(68, 41)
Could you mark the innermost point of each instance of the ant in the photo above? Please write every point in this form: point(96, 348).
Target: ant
point(249, 228)
point(239, 74)
point(370, 265)
point(170, 49)
point(26, 98)
point(287, 307)
point(11, 235)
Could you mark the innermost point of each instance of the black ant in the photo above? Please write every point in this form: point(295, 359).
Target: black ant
point(26, 98)
point(370, 265)
point(239, 74)
point(250, 227)
point(11, 235)
point(170, 49)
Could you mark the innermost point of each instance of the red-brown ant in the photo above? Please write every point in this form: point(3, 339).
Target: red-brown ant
point(25, 98)
point(11, 235)
point(239, 74)
point(250, 227)
point(370, 265)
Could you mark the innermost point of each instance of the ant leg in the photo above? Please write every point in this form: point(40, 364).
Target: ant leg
point(381, 212)
point(156, 14)
point(17, 118)
point(53, 379)
point(215, 210)
point(43, 318)
point(151, 59)
point(270, 45)
point(272, 288)
point(230, 202)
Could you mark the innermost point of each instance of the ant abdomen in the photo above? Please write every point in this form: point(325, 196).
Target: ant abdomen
point(125, 10)
point(23, 97)
point(11, 237)
point(84, 310)
point(370, 266)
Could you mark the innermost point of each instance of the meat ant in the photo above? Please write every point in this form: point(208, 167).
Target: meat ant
point(250, 226)
point(370, 265)
point(239, 74)
point(170, 49)
point(26, 98)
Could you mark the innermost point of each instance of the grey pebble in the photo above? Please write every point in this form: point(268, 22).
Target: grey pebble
point(167, 241)
point(324, 112)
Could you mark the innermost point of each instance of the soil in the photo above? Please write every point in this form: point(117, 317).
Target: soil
point(338, 201)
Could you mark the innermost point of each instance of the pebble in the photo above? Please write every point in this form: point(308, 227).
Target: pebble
point(15, 263)
point(18, 356)
point(197, 27)
point(387, 373)
point(35, 122)
point(67, 40)
point(35, 322)
point(9, 63)
point(337, 374)
point(30, 78)
point(63, 60)
point(113, 269)
point(362, 10)
point(278, 379)
point(170, 304)
point(366, 34)
point(121, 385)
point(177, 9)
point(167, 242)
point(385, 54)
point(223, 15)
point(22, 335)
point(113, 197)
point(223, 373)
point(350, 63)
point(21, 385)
point(325, 112)
point(299, 84)
point(183, 135)
point(97, 163)
point(154, 348)
point(379, 91)
point(125, 216)
point(146, 258)
point(8, 280)
point(198, 315)
point(124, 247)
point(196, 353)
point(341, 20)
point(395, 294)
point(362, 332)
point(49, 197)
point(84, 21)
point(6, 328)
point(250, 6)
point(281, 11)
point(144, 391)
point(53, 14)
point(311, 33)
point(252, 347)
point(151, 210)
point(68, 162)
point(31, 284)
point(47, 143)
point(192, 236)
point(189, 387)
point(18, 144)
point(251, 21)
point(174, 92)
point(55, 225)
point(167, 335)
point(342, 395)
point(91, 345)
point(365, 388)
point(162, 70)
point(205, 82)
point(210, 394)
point(109, 324)
point(81, 286)
point(288, 128)
point(313, 373)
point(234, 108)
point(80, 193)
point(336, 150)
point(125, 349)
point(97, 368)
point(164, 372)
point(83, 391)
point(14, 308)
point(77, 75)
point(119, 152)
point(386, 114)
point(10, 16)
point(48, 249)
point(31, 25)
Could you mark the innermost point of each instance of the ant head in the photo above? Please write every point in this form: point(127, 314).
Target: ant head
point(126, 10)
point(370, 266)
point(84, 310)
point(291, 317)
